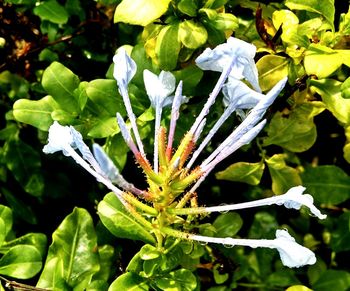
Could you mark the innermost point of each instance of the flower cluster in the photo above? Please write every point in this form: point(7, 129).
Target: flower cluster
point(172, 180)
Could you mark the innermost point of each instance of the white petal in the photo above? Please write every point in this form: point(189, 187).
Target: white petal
point(124, 68)
point(60, 138)
point(291, 253)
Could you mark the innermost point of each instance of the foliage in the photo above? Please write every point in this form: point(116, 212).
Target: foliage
point(56, 65)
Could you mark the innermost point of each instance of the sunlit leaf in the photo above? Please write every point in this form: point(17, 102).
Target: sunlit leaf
point(6, 216)
point(325, 8)
point(271, 69)
point(295, 132)
point(249, 173)
point(168, 47)
point(75, 247)
point(298, 288)
point(192, 34)
point(182, 279)
point(52, 11)
point(147, 11)
point(330, 92)
point(60, 83)
point(36, 113)
point(323, 61)
point(119, 222)
point(22, 262)
point(283, 177)
point(129, 281)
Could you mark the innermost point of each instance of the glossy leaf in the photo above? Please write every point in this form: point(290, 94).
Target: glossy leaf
point(295, 132)
point(22, 262)
point(325, 8)
point(2, 231)
point(104, 94)
point(227, 224)
point(36, 113)
point(119, 222)
point(327, 184)
point(168, 47)
point(192, 34)
point(181, 279)
point(6, 216)
point(52, 11)
point(346, 148)
point(298, 288)
point(249, 173)
point(323, 61)
point(74, 247)
point(60, 83)
point(37, 240)
point(188, 7)
point(283, 177)
point(331, 96)
point(129, 281)
point(147, 11)
point(24, 163)
point(271, 69)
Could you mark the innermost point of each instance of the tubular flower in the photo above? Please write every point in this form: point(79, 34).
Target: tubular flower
point(172, 180)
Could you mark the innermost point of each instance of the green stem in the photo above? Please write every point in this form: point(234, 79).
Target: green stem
point(138, 204)
point(187, 211)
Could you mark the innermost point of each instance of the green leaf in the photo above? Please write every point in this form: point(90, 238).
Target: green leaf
point(298, 288)
point(75, 246)
point(2, 231)
point(36, 113)
point(149, 252)
point(295, 132)
point(271, 69)
point(6, 216)
point(323, 61)
point(106, 258)
point(190, 76)
point(346, 148)
point(340, 236)
point(227, 224)
point(249, 173)
point(24, 163)
point(104, 94)
point(192, 34)
point(147, 11)
point(283, 177)
point(327, 184)
point(104, 127)
point(188, 7)
point(52, 11)
point(225, 22)
point(332, 280)
point(345, 89)
point(37, 240)
point(60, 83)
point(263, 226)
point(119, 222)
point(168, 47)
point(331, 96)
point(22, 262)
point(180, 280)
point(129, 281)
point(326, 8)
point(20, 208)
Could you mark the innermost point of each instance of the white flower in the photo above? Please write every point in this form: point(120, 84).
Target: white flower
point(124, 69)
point(291, 253)
point(243, 54)
point(235, 91)
point(159, 88)
point(60, 139)
point(295, 198)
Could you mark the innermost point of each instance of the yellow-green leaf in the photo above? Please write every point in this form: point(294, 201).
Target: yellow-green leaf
point(271, 69)
point(192, 34)
point(140, 12)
